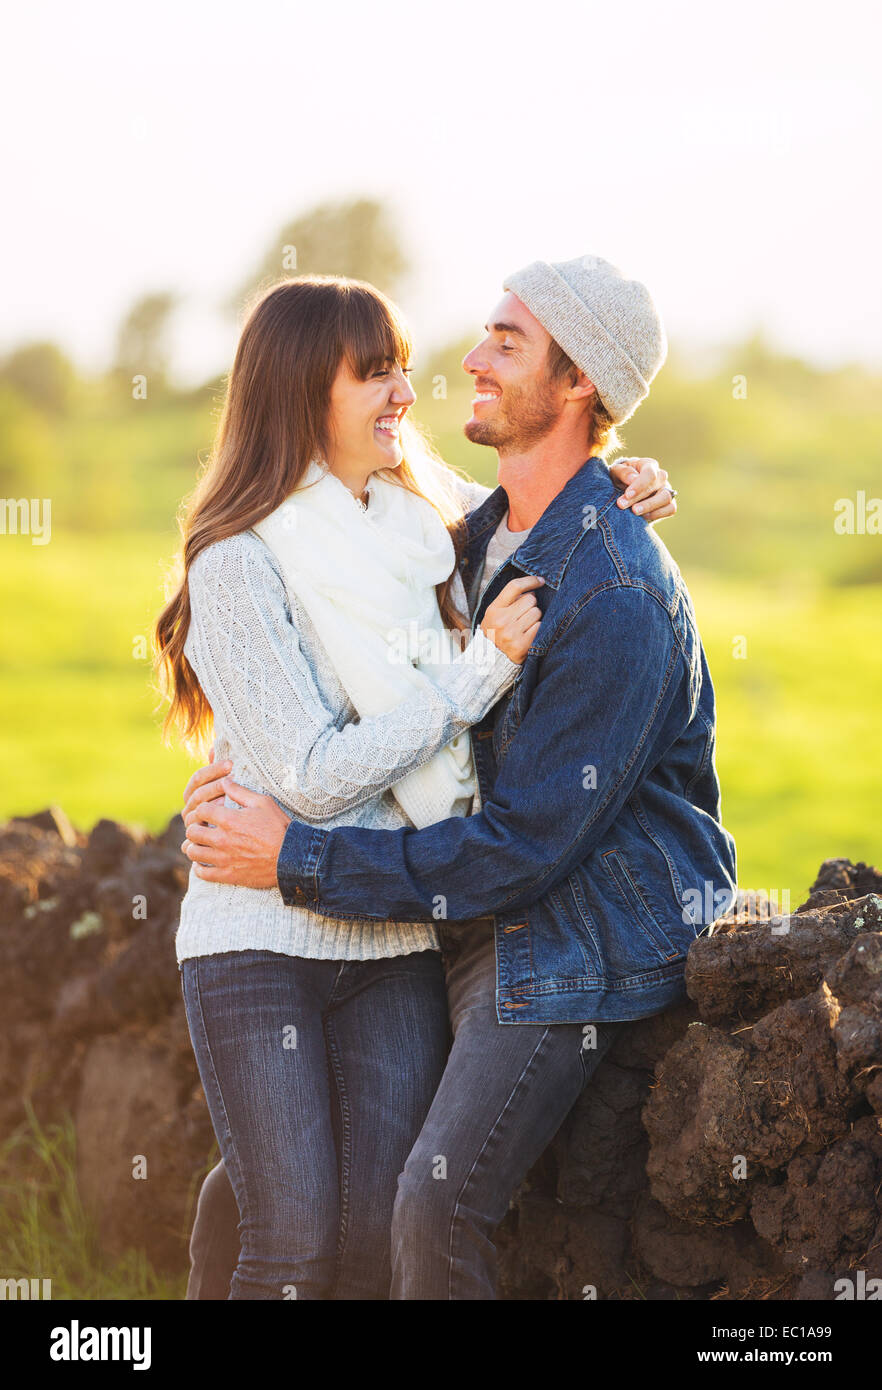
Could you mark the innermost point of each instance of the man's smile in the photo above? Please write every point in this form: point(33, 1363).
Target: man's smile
point(486, 394)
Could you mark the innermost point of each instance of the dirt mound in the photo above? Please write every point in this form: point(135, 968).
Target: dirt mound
point(750, 964)
point(94, 1021)
point(772, 1115)
point(752, 1168)
point(727, 1148)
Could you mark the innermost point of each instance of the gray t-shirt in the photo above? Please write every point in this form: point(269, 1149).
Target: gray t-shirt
point(502, 544)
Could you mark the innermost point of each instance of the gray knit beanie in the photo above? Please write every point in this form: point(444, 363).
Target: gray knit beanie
point(608, 325)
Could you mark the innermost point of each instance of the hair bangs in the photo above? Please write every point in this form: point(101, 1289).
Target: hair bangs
point(372, 331)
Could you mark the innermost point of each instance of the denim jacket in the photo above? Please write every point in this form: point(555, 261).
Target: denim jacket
point(598, 849)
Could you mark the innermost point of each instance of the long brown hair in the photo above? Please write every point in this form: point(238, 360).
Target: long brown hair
point(274, 423)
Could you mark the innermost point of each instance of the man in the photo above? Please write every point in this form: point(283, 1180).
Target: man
point(566, 902)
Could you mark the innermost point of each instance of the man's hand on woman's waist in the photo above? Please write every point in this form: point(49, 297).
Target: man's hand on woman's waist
point(232, 844)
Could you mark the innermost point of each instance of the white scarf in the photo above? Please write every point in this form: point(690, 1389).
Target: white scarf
point(367, 578)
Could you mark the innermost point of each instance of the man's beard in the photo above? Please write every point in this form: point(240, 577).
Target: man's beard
point(527, 415)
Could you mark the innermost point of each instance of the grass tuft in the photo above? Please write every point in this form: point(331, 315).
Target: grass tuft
point(45, 1233)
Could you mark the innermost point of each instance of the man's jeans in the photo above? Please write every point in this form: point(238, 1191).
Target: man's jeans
point(505, 1092)
point(318, 1075)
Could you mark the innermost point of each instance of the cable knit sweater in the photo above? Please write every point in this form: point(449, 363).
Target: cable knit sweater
point(283, 718)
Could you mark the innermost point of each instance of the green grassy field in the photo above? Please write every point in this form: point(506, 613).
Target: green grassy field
point(798, 732)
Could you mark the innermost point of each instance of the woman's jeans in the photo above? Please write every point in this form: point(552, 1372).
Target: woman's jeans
point(318, 1077)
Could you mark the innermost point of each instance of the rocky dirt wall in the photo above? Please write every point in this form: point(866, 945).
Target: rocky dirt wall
point(730, 1148)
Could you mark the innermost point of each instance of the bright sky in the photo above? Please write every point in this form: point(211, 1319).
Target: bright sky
point(726, 154)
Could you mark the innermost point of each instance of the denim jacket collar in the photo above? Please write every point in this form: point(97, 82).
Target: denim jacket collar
point(546, 551)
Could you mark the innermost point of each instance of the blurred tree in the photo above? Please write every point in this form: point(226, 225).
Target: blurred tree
point(42, 374)
point(758, 362)
point(31, 463)
point(142, 339)
point(355, 238)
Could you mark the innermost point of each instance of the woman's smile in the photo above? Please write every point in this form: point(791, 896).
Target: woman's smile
point(388, 425)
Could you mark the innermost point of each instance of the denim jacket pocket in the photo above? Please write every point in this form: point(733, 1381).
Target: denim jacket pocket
point(644, 918)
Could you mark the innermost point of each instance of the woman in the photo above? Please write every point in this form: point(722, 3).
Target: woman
point(314, 633)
